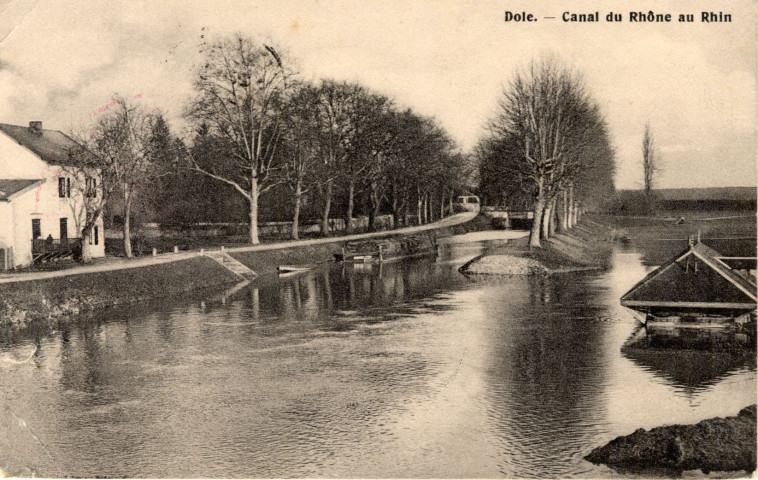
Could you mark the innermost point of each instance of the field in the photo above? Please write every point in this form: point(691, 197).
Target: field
point(732, 233)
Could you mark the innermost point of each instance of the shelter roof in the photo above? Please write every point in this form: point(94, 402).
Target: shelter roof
point(696, 277)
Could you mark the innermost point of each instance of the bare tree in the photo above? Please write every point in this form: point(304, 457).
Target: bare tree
point(123, 143)
point(650, 160)
point(301, 149)
point(90, 192)
point(241, 92)
point(538, 110)
point(546, 126)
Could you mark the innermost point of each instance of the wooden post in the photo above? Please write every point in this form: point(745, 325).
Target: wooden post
point(155, 251)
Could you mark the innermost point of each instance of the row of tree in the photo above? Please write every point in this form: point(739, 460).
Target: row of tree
point(547, 149)
point(259, 129)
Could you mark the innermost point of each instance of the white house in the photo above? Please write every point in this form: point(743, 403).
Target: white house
point(41, 204)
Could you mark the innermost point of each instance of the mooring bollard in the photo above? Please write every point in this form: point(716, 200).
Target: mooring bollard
point(155, 252)
point(176, 248)
point(222, 248)
point(202, 251)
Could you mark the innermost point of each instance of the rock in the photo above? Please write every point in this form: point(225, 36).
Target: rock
point(717, 444)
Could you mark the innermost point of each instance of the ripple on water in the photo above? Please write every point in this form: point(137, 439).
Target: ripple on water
point(411, 371)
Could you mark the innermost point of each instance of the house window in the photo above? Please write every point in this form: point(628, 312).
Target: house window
point(91, 187)
point(64, 187)
point(95, 237)
point(36, 228)
point(64, 229)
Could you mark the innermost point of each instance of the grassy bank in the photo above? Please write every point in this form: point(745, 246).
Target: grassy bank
point(586, 246)
point(49, 298)
point(264, 262)
point(70, 295)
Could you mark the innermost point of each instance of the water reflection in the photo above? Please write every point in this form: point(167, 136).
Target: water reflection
point(405, 369)
point(692, 358)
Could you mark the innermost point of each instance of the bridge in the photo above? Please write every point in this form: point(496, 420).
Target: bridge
point(503, 217)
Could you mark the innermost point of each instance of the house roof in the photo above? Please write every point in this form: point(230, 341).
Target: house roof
point(695, 278)
point(51, 146)
point(8, 188)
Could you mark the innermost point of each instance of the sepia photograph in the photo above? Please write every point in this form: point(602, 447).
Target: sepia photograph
point(378, 239)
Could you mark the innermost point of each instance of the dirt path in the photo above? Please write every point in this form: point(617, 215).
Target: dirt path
point(113, 263)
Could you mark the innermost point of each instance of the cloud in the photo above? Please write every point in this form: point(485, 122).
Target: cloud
point(63, 59)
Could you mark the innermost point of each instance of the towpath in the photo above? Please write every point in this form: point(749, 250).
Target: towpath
point(115, 263)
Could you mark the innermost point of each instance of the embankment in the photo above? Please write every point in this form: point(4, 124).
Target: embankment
point(46, 299)
point(52, 298)
point(264, 262)
point(716, 444)
point(587, 246)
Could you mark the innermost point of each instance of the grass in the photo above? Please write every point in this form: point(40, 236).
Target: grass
point(732, 233)
point(59, 296)
point(584, 246)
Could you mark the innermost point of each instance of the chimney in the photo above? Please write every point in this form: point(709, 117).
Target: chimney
point(35, 127)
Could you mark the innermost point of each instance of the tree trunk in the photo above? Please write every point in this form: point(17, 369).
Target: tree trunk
point(375, 204)
point(127, 224)
point(327, 207)
point(86, 247)
point(350, 205)
point(442, 205)
point(296, 213)
point(426, 208)
point(564, 209)
point(406, 209)
point(419, 205)
point(546, 220)
point(450, 203)
point(571, 207)
point(395, 209)
point(539, 207)
point(254, 193)
point(553, 216)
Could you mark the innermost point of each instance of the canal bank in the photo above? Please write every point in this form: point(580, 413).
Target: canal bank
point(334, 372)
point(55, 295)
point(588, 246)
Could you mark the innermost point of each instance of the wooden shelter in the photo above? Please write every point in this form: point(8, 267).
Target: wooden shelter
point(697, 287)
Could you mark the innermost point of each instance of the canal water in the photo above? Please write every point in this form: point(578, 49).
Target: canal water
point(406, 369)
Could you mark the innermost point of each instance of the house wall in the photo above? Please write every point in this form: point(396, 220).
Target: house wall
point(6, 234)
point(44, 203)
point(41, 202)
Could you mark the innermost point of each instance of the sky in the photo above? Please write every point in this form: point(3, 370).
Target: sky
point(61, 62)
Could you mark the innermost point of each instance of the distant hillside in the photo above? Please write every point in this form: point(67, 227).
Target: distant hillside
point(713, 193)
point(700, 194)
point(634, 202)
